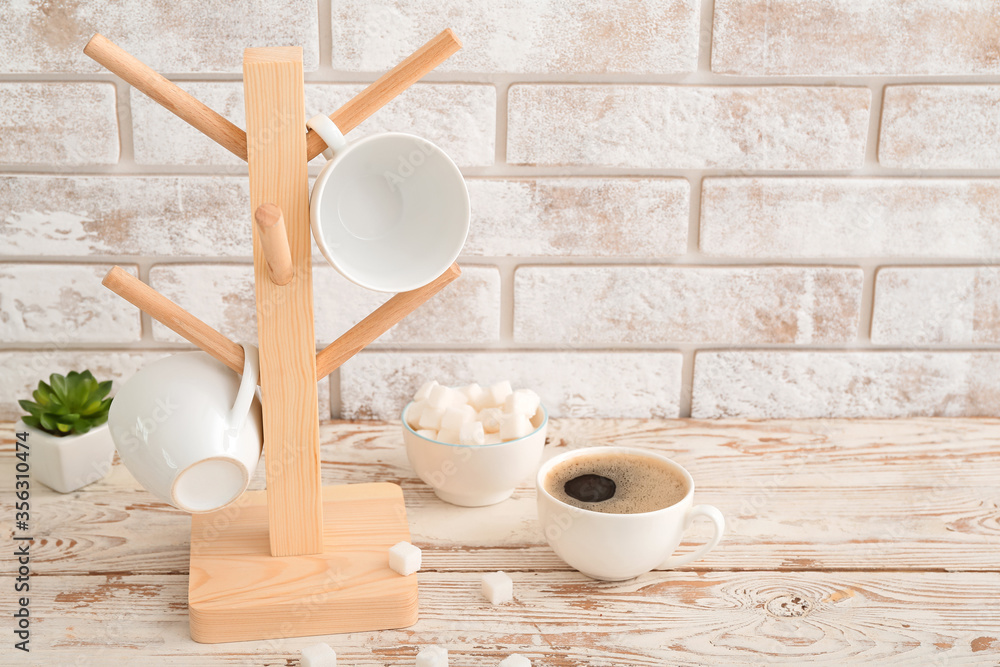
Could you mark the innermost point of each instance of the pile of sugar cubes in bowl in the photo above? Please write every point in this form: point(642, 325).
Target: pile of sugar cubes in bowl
point(473, 445)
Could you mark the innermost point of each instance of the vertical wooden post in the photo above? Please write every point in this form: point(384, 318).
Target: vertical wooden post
point(276, 149)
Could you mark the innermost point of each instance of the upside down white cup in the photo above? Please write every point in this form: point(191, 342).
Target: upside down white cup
point(614, 547)
point(391, 211)
point(189, 429)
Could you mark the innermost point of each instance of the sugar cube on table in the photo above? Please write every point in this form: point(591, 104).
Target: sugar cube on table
point(472, 433)
point(431, 418)
point(404, 558)
point(428, 433)
point(425, 391)
point(318, 655)
point(523, 402)
point(490, 417)
point(413, 413)
point(515, 660)
point(454, 417)
point(498, 394)
point(450, 436)
point(432, 656)
point(498, 587)
point(514, 426)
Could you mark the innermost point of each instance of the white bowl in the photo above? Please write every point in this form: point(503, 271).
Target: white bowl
point(476, 475)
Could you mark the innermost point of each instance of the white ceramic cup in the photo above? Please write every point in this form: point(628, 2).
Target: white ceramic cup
point(613, 547)
point(189, 429)
point(476, 475)
point(391, 211)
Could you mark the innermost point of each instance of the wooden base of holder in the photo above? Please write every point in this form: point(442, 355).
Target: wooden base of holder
point(239, 592)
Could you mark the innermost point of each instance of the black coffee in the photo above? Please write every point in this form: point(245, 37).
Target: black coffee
point(616, 483)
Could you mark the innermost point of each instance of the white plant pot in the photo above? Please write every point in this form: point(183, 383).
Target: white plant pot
point(71, 462)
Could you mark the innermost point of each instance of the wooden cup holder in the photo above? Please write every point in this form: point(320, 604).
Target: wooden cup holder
point(299, 559)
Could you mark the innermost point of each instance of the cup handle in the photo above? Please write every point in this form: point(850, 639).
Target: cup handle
point(329, 133)
point(247, 390)
point(720, 526)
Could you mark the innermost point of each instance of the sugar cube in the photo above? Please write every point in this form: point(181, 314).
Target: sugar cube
point(514, 426)
point(318, 655)
point(458, 399)
point(523, 402)
point(472, 433)
point(454, 417)
point(472, 392)
point(439, 396)
point(404, 558)
point(498, 394)
point(450, 436)
point(493, 439)
point(490, 417)
point(498, 587)
point(413, 413)
point(515, 660)
point(428, 433)
point(482, 401)
point(431, 418)
point(425, 391)
point(433, 656)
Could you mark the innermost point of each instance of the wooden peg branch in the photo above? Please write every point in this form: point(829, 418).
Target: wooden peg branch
point(274, 242)
point(232, 138)
point(389, 85)
point(168, 313)
point(168, 94)
point(378, 322)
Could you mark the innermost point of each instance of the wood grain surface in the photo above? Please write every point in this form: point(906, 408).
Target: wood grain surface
point(850, 542)
point(274, 97)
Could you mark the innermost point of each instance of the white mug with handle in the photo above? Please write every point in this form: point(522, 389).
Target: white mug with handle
point(613, 547)
point(390, 211)
point(189, 429)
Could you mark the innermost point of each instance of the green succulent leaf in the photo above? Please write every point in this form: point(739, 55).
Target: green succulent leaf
point(30, 407)
point(77, 393)
point(58, 384)
point(103, 389)
point(44, 394)
point(70, 404)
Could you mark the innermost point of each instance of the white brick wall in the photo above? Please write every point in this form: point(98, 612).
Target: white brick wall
point(766, 128)
point(564, 36)
point(58, 124)
point(947, 127)
point(680, 207)
point(177, 36)
point(789, 37)
point(657, 305)
point(921, 305)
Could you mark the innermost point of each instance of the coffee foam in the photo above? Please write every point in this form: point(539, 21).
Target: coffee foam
point(643, 484)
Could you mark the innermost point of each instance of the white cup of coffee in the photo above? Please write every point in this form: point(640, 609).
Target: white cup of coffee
point(390, 211)
point(189, 429)
point(614, 513)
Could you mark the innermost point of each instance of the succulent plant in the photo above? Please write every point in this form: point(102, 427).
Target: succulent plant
point(68, 405)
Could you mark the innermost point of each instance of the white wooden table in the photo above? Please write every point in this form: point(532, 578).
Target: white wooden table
point(849, 542)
